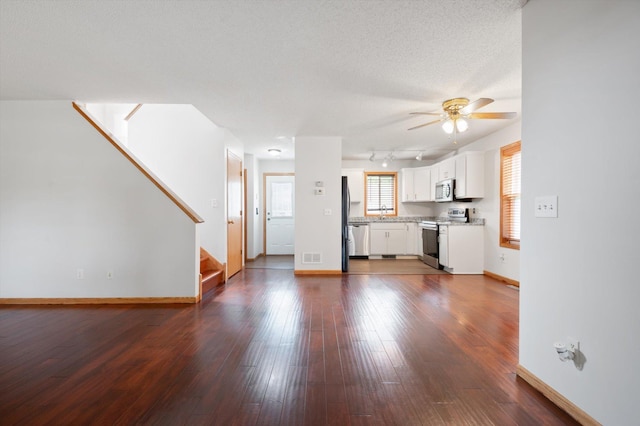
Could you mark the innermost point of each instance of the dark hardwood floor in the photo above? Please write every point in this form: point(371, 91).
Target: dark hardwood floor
point(269, 348)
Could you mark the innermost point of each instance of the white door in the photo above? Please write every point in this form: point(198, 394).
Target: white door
point(280, 214)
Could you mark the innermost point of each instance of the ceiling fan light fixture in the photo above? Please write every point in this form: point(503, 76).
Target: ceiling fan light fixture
point(447, 126)
point(274, 151)
point(462, 125)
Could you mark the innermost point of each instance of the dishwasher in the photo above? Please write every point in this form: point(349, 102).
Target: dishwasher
point(360, 240)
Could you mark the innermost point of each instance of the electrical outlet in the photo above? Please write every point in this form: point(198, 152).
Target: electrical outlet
point(546, 206)
point(80, 274)
point(501, 257)
point(109, 275)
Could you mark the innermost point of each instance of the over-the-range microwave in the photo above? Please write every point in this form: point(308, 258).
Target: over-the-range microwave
point(444, 190)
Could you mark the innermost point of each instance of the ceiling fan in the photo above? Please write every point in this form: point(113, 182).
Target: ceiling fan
point(457, 110)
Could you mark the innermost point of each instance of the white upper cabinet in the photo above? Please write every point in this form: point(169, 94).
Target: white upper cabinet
point(416, 184)
point(422, 184)
point(470, 175)
point(435, 176)
point(408, 192)
point(447, 169)
point(467, 168)
point(355, 180)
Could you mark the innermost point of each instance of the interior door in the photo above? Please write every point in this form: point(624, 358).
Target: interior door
point(234, 214)
point(280, 214)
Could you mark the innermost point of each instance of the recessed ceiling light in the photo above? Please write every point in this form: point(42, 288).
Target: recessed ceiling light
point(274, 151)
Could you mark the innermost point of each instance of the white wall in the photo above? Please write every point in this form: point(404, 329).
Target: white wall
point(253, 215)
point(579, 274)
point(69, 200)
point(318, 159)
point(112, 116)
point(187, 152)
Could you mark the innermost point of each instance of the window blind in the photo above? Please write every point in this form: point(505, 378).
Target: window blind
point(510, 171)
point(381, 193)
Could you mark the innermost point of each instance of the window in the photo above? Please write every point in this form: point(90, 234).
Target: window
point(510, 196)
point(381, 194)
point(282, 199)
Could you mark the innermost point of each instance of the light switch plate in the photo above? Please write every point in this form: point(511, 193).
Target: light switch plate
point(546, 206)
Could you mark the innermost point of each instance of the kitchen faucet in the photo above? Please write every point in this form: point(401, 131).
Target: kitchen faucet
point(383, 211)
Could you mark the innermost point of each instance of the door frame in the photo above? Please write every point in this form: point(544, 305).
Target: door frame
point(264, 206)
point(244, 220)
point(230, 154)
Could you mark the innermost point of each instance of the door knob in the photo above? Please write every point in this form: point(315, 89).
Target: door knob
point(230, 222)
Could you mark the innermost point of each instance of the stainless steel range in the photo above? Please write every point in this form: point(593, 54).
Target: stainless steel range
point(430, 234)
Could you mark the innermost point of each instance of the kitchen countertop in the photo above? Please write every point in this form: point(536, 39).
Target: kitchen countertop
point(414, 219)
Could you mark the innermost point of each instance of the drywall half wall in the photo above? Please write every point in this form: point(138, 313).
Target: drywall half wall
point(579, 271)
point(73, 209)
point(318, 222)
point(187, 152)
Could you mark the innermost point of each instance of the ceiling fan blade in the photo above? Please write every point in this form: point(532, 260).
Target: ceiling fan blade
point(492, 115)
point(477, 104)
point(426, 113)
point(426, 124)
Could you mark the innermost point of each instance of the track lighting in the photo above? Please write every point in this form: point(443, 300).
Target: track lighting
point(419, 156)
point(373, 157)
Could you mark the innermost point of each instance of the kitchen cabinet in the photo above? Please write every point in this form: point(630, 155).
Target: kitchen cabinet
point(435, 177)
point(462, 249)
point(447, 169)
point(412, 243)
point(408, 193)
point(422, 183)
point(388, 238)
point(416, 184)
point(470, 175)
point(355, 180)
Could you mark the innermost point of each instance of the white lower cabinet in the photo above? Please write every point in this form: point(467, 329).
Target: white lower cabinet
point(462, 249)
point(388, 238)
point(412, 243)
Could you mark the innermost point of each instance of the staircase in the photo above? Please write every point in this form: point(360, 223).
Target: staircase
point(212, 272)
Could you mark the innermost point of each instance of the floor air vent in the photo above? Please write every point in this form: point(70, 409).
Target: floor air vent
point(311, 257)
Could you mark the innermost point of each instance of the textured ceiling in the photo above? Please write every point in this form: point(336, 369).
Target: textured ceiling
point(264, 69)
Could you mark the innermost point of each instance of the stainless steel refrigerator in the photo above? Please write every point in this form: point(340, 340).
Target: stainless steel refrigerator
point(346, 203)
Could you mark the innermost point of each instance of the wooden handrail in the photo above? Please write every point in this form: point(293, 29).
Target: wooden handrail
point(133, 160)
